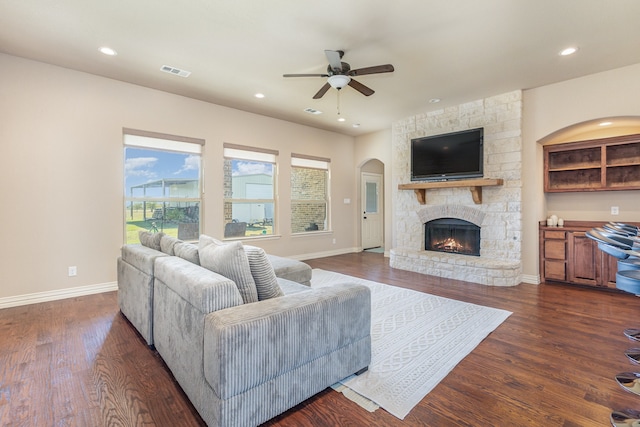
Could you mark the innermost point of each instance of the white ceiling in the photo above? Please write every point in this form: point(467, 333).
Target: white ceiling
point(455, 50)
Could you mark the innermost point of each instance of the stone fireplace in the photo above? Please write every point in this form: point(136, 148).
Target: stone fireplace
point(497, 219)
point(452, 235)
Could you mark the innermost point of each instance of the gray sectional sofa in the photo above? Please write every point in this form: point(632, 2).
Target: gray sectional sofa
point(136, 274)
point(244, 344)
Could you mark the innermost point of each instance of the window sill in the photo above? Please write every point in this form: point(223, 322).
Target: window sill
point(266, 237)
point(312, 233)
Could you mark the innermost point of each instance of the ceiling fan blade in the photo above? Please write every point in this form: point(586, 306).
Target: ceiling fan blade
point(387, 68)
point(366, 91)
point(334, 57)
point(322, 91)
point(305, 75)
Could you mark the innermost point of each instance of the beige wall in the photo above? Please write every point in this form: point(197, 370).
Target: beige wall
point(61, 167)
point(61, 171)
point(551, 108)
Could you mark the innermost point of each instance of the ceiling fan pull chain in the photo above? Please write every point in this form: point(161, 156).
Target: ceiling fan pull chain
point(338, 102)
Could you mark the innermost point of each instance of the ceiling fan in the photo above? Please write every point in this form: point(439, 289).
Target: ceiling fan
point(339, 74)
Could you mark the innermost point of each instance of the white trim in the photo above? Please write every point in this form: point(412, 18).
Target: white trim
point(324, 254)
point(58, 294)
point(161, 144)
point(533, 279)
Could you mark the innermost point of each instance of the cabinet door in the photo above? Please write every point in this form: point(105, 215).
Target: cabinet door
point(609, 270)
point(584, 259)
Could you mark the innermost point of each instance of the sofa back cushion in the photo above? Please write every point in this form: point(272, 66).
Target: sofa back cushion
point(229, 260)
point(263, 274)
point(150, 240)
point(187, 251)
point(141, 257)
point(168, 243)
point(205, 290)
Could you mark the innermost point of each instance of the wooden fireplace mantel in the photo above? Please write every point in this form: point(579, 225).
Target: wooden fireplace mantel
point(475, 186)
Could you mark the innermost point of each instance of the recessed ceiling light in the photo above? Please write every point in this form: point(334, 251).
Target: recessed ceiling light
point(259, 95)
point(434, 100)
point(108, 51)
point(605, 124)
point(341, 119)
point(568, 51)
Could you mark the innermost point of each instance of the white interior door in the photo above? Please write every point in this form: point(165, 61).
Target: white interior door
point(372, 220)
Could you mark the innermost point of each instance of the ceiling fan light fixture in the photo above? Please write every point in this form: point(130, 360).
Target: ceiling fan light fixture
point(338, 81)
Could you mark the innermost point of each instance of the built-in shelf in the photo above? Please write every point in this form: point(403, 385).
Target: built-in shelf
point(595, 165)
point(475, 186)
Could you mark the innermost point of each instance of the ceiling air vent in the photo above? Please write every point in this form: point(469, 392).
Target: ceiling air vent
point(175, 71)
point(312, 111)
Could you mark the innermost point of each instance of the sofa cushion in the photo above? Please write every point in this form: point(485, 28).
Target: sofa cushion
point(150, 240)
point(289, 287)
point(187, 251)
point(167, 244)
point(141, 257)
point(263, 274)
point(229, 260)
point(291, 269)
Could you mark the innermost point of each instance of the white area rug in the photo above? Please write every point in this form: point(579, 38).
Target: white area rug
point(417, 339)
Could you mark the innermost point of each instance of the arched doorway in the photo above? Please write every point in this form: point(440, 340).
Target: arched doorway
point(372, 205)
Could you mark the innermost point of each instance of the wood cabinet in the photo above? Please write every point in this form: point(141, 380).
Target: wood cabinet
point(595, 165)
point(568, 255)
point(554, 255)
point(587, 264)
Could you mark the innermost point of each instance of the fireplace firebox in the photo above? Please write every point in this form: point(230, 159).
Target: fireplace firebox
point(452, 235)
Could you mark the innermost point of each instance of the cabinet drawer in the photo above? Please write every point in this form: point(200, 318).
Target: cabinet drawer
point(548, 234)
point(555, 249)
point(555, 270)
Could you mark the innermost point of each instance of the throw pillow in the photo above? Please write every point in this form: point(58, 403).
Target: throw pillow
point(187, 251)
point(168, 243)
point(150, 240)
point(231, 261)
point(263, 274)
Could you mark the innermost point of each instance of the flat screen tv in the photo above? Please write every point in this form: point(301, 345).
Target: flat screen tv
point(457, 155)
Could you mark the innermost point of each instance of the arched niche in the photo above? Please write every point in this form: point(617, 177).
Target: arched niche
point(603, 127)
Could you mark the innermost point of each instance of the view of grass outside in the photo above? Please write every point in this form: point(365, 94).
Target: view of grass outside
point(137, 223)
point(162, 187)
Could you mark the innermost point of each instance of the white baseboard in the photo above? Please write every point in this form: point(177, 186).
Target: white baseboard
point(38, 297)
point(533, 279)
point(324, 254)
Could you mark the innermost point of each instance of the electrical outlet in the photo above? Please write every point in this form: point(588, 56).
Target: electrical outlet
point(334, 241)
point(615, 210)
point(73, 271)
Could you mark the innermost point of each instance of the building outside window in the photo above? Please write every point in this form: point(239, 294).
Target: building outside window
point(162, 176)
point(249, 191)
point(310, 208)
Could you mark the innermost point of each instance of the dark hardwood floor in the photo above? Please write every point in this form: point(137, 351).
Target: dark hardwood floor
point(78, 362)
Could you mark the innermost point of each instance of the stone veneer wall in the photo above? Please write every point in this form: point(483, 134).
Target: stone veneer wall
point(499, 215)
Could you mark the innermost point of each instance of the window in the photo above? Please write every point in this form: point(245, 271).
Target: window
point(249, 191)
point(162, 178)
point(309, 194)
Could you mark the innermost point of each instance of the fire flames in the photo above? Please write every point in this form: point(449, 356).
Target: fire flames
point(449, 245)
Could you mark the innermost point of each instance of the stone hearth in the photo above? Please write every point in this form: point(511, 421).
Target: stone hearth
point(498, 216)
